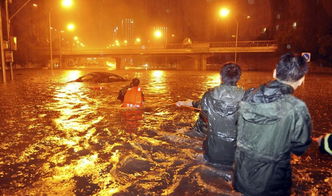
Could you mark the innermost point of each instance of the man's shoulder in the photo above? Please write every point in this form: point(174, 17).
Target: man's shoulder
point(294, 101)
point(299, 106)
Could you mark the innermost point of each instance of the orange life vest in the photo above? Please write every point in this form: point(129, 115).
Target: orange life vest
point(133, 97)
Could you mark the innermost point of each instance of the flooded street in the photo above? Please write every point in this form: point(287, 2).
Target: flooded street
point(60, 138)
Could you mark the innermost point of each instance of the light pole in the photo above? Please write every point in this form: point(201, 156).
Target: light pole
point(2, 52)
point(224, 12)
point(160, 33)
point(50, 38)
point(8, 39)
point(66, 4)
point(60, 48)
point(236, 39)
point(8, 24)
point(70, 27)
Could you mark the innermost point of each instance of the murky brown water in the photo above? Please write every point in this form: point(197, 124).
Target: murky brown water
point(61, 138)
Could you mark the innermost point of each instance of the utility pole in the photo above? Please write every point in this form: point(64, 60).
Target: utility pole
point(50, 37)
point(8, 39)
point(3, 65)
point(236, 40)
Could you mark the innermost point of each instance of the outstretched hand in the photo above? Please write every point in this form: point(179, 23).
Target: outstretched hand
point(187, 103)
point(317, 139)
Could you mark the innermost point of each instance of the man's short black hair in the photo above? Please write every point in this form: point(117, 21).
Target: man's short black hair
point(135, 82)
point(230, 73)
point(291, 67)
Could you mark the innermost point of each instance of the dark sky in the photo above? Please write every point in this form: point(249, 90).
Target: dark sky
point(197, 19)
point(96, 19)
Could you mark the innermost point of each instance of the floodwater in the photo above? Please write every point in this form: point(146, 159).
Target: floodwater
point(60, 138)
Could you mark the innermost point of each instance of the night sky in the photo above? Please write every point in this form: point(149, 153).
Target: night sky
point(289, 21)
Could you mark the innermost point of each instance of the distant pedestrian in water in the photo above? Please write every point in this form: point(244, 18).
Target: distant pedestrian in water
point(219, 112)
point(132, 95)
point(325, 143)
point(272, 124)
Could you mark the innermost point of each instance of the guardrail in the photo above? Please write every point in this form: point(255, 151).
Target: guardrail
point(260, 43)
point(177, 48)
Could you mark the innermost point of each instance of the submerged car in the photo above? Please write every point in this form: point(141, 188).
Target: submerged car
point(100, 77)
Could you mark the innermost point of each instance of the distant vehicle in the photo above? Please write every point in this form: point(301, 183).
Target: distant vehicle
point(100, 77)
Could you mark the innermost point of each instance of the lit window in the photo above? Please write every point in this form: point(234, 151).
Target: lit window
point(277, 27)
point(294, 25)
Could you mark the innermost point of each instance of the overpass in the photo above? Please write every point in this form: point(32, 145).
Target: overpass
point(196, 52)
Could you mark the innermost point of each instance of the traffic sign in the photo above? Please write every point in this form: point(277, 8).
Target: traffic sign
point(306, 55)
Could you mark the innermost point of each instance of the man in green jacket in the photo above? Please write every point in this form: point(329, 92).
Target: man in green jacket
point(272, 124)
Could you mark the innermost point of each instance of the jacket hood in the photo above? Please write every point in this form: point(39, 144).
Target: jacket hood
point(263, 105)
point(268, 93)
point(225, 99)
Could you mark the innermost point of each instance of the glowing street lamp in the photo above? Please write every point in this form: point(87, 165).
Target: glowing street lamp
point(224, 12)
point(157, 34)
point(138, 40)
point(71, 27)
point(67, 3)
point(60, 43)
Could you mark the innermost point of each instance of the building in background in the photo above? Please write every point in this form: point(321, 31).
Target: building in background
point(127, 31)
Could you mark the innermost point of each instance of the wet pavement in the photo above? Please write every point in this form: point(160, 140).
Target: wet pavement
point(60, 138)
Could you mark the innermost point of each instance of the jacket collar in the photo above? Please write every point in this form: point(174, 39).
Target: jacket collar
point(270, 92)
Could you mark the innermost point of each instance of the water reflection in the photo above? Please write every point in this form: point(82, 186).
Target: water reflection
point(71, 75)
point(213, 80)
point(157, 81)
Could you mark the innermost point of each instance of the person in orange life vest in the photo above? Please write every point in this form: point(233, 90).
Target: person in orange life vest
point(132, 95)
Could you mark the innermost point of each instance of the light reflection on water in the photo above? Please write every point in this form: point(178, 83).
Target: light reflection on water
point(157, 82)
point(73, 138)
point(213, 80)
point(72, 75)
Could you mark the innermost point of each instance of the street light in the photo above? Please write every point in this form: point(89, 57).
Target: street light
point(71, 27)
point(137, 40)
point(224, 12)
point(160, 33)
point(157, 34)
point(65, 4)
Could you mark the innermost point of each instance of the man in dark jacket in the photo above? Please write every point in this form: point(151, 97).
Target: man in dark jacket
point(272, 125)
point(219, 109)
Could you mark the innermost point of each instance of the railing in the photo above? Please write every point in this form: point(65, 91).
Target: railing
point(196, 47)
point(261, 43)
